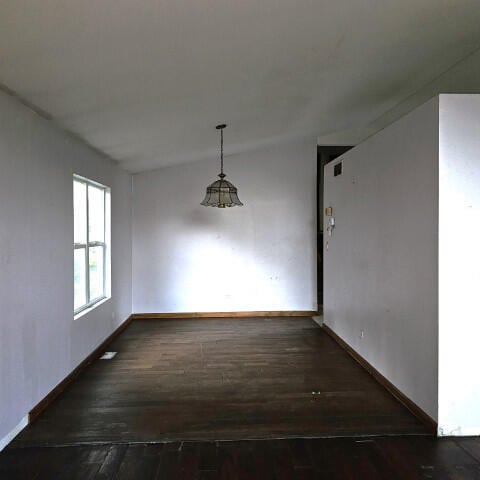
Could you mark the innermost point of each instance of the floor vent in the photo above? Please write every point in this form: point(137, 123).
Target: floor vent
point(108, 355)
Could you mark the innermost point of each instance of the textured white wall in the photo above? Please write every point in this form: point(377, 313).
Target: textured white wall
point(459, 265)
point(40, 343)
point(261, 256)
point(381, 263)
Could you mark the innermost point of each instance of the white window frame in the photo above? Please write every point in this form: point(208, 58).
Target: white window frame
point(91, 302)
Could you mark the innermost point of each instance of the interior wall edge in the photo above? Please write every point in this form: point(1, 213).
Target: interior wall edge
point(39, 339)
point(381, 288)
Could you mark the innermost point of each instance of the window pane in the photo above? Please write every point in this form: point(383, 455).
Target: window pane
point(79, 212)
point(96, 272)
point(96, 214)
point(79, 278)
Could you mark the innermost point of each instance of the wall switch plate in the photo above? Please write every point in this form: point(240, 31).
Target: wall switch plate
point(329, 211)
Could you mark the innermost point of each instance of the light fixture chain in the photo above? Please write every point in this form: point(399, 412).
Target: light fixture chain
point(221, 150)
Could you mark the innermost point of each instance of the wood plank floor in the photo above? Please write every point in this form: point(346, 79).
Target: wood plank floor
point(372, 458)
point(217, 379)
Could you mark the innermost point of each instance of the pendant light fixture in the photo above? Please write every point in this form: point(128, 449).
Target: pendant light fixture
point(221, 193)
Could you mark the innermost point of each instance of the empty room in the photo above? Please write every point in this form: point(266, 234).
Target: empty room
point(239, 240)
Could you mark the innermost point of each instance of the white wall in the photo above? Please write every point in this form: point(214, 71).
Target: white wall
point(261, 256)
point(459, 265)
point(381, 262)
point(40, 343)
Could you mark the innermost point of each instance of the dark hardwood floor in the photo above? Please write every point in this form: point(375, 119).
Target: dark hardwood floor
point(220, 379)
point(201, 382)
point(372, 458)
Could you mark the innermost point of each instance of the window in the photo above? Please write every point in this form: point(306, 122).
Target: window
point(91, 257)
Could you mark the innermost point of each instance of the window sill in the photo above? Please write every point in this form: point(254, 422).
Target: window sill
point(89, 309)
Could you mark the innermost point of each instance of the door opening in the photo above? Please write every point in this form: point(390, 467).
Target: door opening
point(325, 154)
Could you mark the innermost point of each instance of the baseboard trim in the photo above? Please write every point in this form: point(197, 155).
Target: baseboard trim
point(428, 421)
point(289, 313)
point(13, 432)
point(53, 394)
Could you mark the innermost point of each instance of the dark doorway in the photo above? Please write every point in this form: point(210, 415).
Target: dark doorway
point(325, 154)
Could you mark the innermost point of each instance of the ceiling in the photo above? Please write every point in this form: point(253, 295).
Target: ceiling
point(146, 81)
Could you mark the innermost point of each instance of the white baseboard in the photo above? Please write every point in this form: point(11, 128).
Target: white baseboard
point(450, 431)
point(13, 433)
